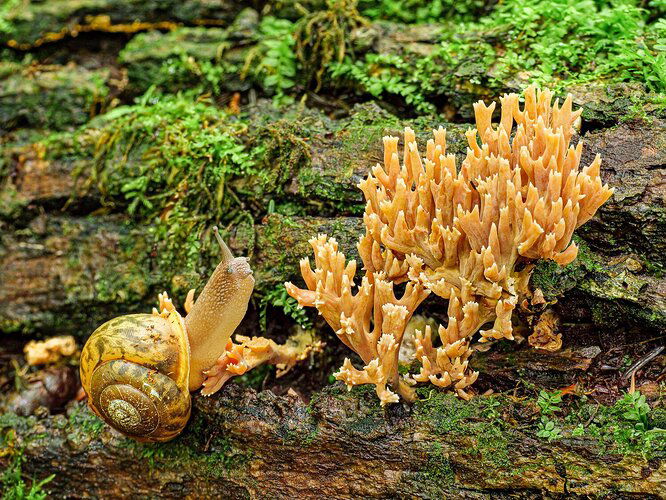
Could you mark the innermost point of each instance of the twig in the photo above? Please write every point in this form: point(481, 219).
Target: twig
point(208, 442)
point(642, 362)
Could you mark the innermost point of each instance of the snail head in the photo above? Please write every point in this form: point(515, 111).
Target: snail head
point(218, 311)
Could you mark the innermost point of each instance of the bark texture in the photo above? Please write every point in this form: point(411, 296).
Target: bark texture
point(75, 251)
point(50, 96)
point(41, 23)
point(67, 271)
point(251, 445)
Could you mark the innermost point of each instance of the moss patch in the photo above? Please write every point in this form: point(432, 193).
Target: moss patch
point(52, 97)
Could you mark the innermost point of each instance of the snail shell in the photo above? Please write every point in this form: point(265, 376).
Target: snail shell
point(135, 370)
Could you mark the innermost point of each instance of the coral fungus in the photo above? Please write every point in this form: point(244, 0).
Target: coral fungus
point(255, 351)
point(468, 235)
point(42, 352)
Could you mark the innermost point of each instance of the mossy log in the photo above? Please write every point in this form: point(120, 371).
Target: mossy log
point(340, 445)
point(74, 252)
point(33, 23)
point(67, 272)
point(71, 273)
point(49, 96)
point(172, 61)
point(317, 162)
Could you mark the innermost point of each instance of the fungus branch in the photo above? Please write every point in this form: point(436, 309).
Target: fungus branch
point(255, 351)
point(460, 233)
point(370, 321)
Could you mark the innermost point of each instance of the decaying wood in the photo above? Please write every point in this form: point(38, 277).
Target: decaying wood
point(251, 445)
point(54, 275)
point(70, 18)
point(69, 261)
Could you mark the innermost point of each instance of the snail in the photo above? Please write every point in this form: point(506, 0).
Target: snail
point(51, 388)
point(138, 370)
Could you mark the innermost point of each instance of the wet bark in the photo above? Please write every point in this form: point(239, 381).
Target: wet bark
point(342, 446)
point(42, 23)
point(62, 270)
point(71, 258)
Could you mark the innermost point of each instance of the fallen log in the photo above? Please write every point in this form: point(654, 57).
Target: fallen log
point(69, 274)
point(317, 162)
point(49, 96)
point(40, 23)
point(315, 165)
point(174, 60)
point(338, 445)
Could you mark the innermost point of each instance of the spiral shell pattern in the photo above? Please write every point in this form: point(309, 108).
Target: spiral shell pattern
point(135, 371)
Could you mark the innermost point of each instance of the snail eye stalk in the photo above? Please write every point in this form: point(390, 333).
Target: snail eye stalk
point(226, 253)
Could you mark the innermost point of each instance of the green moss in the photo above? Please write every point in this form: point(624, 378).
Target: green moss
point(217, 460)
point(185, 58)
point(366, 423)
point(52, 97)
point(191, 162)
point(282, 241)
point(423, 11)
point(277, 233)
point(628, 427)
point(559, 43)
point(105, 270)
point(118, 253)
point(11, 421)
point(81, 418)
point(357, 138)
point(612, 285)
point(13, 484)
point(196, 448)
point(489, 435)
point(658, 418)
point(214, 60)
point(282, 152)
point(298, 436)
point(322, 37)
point(445, 412)
point(577, 41)
point(555, 280)
point(168, 163)
point(438, 469)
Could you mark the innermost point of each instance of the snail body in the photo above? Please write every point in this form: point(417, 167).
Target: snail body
point(138, 370)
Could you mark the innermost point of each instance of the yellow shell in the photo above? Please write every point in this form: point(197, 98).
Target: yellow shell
point(135, 371)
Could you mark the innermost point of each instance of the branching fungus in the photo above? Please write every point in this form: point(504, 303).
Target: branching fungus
point(468, 235)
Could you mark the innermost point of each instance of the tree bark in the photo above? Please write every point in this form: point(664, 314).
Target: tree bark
point(453, 87)
point(71, 257)
point(247, 445)
point(68, 272)
point(50, 96)
point(41, 23)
